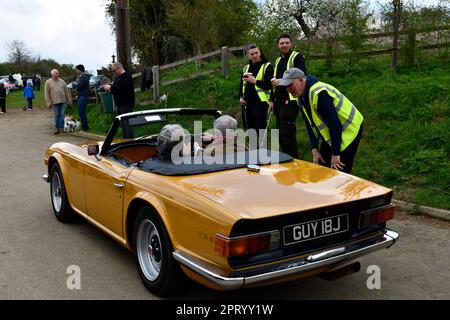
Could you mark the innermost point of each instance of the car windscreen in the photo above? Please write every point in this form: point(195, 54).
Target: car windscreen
point(150, 125)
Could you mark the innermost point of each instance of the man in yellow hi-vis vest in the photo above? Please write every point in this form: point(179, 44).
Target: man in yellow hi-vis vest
point(255, 89)
point(285, 106)
point(329, 117)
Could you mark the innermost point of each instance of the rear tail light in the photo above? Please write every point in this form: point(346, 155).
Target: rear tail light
point(376, 216)
point(240, 246)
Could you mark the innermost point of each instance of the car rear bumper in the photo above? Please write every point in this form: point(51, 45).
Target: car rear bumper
point(287, 269)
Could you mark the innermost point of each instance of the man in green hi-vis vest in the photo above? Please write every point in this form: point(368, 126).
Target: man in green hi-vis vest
point(329, 117)
point(255, 89)
point(284, 105)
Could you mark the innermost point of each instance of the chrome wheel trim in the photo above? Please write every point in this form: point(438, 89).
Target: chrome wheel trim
point(149, 250)
point(56, 189)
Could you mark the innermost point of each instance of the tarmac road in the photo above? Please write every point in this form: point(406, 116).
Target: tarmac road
point(36, 250)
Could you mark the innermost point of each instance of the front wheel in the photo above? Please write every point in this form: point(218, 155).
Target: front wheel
point(153, 250)
point(60, 202)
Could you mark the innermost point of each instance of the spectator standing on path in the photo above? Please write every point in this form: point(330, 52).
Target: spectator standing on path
point(38, 82)
point(83, 93)
point(2, 98)
point(56, 97)
point(28, 94)
point(284, 105)
point(24, 80)
point(330, 117)
point(254, 89)
point(34, 81)
point(122, 90)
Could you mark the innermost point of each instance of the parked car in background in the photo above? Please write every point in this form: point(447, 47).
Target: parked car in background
point(72, 85)
point(95, 81)
point(9, 85)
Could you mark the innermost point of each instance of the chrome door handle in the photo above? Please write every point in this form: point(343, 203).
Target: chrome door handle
point(118, 185)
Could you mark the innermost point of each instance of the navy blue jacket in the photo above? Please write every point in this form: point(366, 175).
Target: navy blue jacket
point(82, 85)
point(327, 111)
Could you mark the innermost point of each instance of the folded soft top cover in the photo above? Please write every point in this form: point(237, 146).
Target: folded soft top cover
point(206, 164)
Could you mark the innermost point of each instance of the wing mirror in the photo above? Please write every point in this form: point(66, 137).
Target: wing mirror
point(93, 149)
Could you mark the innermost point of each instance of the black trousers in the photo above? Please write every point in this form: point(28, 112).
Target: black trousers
point(127, 131)
point(3, 104)
point(256, 116)
point(347, 156)
point(286, 113)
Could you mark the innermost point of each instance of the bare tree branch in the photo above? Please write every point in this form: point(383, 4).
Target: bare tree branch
point(18, 53)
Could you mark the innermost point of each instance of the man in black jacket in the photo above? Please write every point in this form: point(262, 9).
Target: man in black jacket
point(284, 105)
point(254, 90)
point(122, 90)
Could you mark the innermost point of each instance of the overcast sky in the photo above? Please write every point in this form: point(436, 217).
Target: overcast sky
point(68, 31)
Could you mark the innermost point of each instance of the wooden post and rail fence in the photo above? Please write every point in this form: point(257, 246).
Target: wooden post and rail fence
point(156, 70)
point(225, 51)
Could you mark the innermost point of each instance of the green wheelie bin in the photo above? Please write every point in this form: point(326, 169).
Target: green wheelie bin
point(107, 101)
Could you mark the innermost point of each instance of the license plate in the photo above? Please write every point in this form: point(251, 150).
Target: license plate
point(315, 229)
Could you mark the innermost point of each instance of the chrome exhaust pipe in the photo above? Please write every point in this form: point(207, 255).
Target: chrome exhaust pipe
point(342, 272)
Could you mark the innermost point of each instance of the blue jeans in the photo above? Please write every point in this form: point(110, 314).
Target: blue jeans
point(59, 110)
point(82, 107)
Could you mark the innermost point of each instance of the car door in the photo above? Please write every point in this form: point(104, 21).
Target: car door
point(104, 190)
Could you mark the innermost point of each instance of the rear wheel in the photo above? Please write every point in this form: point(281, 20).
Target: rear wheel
point(153, 250)
point(58, 195)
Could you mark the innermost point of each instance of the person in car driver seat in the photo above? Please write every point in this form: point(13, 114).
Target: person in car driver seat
point(168, 142)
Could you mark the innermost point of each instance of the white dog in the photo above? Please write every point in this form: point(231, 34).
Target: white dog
point(71, 125)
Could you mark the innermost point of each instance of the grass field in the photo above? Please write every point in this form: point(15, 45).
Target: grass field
point(16, 100)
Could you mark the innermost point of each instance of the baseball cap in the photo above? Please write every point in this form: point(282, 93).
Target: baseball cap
point(290, 75)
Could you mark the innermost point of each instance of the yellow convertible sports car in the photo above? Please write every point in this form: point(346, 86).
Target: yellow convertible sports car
point(227, 226)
